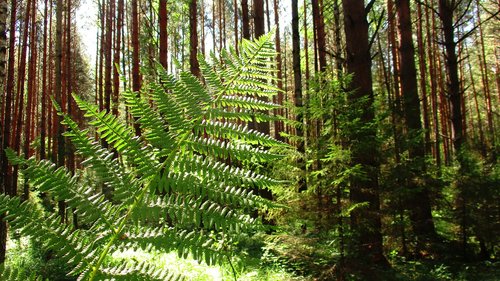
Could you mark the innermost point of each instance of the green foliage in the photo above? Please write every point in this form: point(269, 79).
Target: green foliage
point(179, 187)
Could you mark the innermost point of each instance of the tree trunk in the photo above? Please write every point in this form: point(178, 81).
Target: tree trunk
point(433, 84)
point(44, 116)
point(108, 59)
point(245, 20)
point(446, 10)
point(236, 39)
point(31, 93)
point(163, 19)
point(365, 221)
point(297, 78)
point(278, 125)
point(455, 98)
point(258, 20)
point(136, 76)
point(423, 78)
point(58, 96)
point(485, 80)
point(6, 172)
point(116, 58)
point(3, 46)
point(193, 39)
point(420, 207)
point(337, 39)
point(319, 29)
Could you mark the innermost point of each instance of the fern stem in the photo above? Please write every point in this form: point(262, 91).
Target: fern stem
point(117, 234)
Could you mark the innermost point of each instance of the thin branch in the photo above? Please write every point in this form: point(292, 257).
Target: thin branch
point(430, 7)
point(369, 7)
point(457, 23)
point(379, 23)
point(468, 33)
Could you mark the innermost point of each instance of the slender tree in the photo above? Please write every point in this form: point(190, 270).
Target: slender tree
point(319, 30)
point(258, 20)
point(446, 13)
point(3, 42)
point(193, 42)
point(58, 95)
point(116, 56)
point(245, 21)
point(136, 76)
point(44, 116)
point(278, 125)
point(31, 92)
point(6, 184)
point(163, 19)
point(297, 78)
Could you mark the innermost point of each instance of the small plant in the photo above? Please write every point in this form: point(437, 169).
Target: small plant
point(177, 187)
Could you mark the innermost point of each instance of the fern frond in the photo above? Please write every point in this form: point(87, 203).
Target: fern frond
point(151, 122)
point(199, 244)
point(137, 271)
point(102, 162)
point(26, 217)
point(221, 172)
point(237, 132)
point(180, 187)
point(121, 137)
point(44, 176)
point(246, 103)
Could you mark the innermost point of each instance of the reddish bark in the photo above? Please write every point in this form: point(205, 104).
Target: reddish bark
point(245, 20)
point(193, 39)
point(420, 207)
point(163, 19)
point(136, 76)
point(258, 20)
point(319, 30)
point(365, 222)
point(6, 184)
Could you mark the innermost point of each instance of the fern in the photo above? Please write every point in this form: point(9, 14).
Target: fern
point(179, 187)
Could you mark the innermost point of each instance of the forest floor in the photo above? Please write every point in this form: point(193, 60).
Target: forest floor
point(266, 258)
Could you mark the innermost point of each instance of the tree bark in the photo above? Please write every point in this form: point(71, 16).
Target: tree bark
point(136, 76)
point(420, 207)
point(6, 172)
point(365, 221)
point(163, 20)
point(193, 39)
point(319, 29)
point(31, 93)
point(446, 11)
point(58, 96)
point(258, 20)
point(44, 116)
point(245, 19)
point(278, 125)
point(116, 58)
point(297, 78)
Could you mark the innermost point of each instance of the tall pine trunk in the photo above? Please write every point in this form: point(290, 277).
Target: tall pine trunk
point(419, 203)
point(58, 96)
point(163, 18)
point(365, 222)
point(193, 39)
point(6, 172)
point(136, 76)
point(297, 79)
